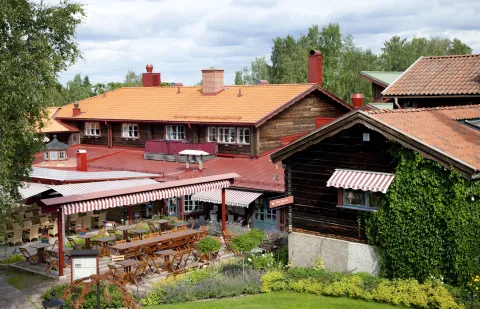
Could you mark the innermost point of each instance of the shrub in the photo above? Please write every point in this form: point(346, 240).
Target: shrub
point(262, 262)
point(318, 264)
point(273, 281)
point(13, 259)
point(208, 245)
point(110, 296)
point(248, 241)
point(281, 255)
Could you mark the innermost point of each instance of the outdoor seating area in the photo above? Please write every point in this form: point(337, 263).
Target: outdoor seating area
point(29, 224)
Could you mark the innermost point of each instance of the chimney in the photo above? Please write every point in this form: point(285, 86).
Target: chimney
point(76, 109)
point(212, 81)
point(357, 100)
point(82, 160)
point(315, 72)
point(150, 79)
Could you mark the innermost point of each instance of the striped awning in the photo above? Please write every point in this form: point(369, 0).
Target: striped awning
point(232, 197)
point(142, 197)
point(360, 180)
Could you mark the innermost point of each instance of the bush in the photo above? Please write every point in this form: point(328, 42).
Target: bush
point(208, 245)
point(110, 296)
point(13, 259)
point(248, 241)
point(281, 255)
point(263, 262)
point(273, 281)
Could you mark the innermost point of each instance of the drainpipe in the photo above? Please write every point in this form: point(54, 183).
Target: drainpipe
point(110, 137)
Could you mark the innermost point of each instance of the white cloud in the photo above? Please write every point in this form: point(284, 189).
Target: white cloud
point(182, 37)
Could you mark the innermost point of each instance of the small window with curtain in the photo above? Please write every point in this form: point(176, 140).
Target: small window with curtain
point(192, 205)
point(92, 128)
point(243, 135)
point(226, 135)
point(211, 134)
point(130, 130)
point(362, 200)
point(175, 133)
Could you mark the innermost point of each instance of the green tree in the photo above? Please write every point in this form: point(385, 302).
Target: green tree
point(37, 41)
point(77, 89)
point(258, 70)
point(132, 79)
point(239, 78)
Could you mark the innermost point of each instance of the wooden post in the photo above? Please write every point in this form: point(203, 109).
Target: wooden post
point(224, 211)
point(61, 261)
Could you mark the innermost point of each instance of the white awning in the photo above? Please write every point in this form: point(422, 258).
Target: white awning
point(232, 197)
point(29, 189)
point(360, 180)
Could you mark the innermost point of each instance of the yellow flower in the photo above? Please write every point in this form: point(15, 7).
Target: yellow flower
point(477, 277)
point(469, 284)
point(476, 280)
point(476, 288)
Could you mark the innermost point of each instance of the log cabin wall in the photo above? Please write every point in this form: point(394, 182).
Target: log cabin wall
point(300, 117)
point(315, 209)
point(92, 140)
point(118, 140)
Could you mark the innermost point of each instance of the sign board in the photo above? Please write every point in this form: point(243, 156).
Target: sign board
point(281, 202)
point(83, 266)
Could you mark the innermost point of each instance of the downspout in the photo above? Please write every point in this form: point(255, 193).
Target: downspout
point(110, 137)
point(395, 100)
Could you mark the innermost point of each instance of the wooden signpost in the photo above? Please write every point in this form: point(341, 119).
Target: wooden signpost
point(281, 202)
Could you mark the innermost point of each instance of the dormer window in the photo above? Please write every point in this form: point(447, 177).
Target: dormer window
point(92, 128)
point(130, 130)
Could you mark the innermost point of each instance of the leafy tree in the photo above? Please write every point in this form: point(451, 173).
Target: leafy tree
point(77, 89)
point(37, 41)
point(258, 70)
point(239, 78)
point(132, 79)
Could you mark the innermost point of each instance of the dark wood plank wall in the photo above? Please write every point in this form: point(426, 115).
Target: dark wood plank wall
point(315, 204)
point(376, 91)
point(118, 140)
point(296, 119)
point(92, 140)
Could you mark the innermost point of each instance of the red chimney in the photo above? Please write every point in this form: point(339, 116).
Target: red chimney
point(212, 81)
point(315, 60)
point(76, 109)
point(150, 79)
point(357, 100)
point(82, 160)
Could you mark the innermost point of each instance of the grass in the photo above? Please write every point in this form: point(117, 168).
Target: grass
point(280, 300)
point(21, 280)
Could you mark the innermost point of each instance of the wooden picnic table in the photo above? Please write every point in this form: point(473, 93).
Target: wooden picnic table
point(125, 229)
point(138, 232)
point(165, 254)
point(161, 221)
point(87, 237)
point(127, 265)
point(104, 241)
point(154, 240)
point(179, 224)
point(40, 249)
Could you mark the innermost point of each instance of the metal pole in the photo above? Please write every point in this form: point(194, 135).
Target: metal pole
point(224, 211)
point(98, 296)
point(61, 262)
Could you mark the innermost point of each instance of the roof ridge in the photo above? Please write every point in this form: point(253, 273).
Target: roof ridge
point(452, 56)
point(424, 109)
point(252, 85)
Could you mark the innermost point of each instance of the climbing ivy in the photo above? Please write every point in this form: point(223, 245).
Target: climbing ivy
point(427, 225)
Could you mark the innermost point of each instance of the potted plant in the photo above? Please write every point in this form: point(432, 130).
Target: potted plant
point(44, 238)
point(81, 230)
point(207, 246)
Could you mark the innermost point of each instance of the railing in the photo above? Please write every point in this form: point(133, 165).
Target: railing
point(174, 147)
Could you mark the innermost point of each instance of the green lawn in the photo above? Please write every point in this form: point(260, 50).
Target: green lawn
point(281, 300)
point(22, 280)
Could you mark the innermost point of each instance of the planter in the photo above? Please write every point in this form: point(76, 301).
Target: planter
point(83, 233)
point(44, 241)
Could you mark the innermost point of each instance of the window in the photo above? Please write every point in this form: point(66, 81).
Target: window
point(175, 133)
point(361, 199)
point(211, 134)
point(130, 130)
point(191, 205)
point(243, 135)
point(45, 156)
point(53, 155)
point(92, 128)
point(61, 155)
point(226, 135)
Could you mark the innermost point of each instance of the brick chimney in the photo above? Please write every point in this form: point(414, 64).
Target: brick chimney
point(212, 81)
point(150, 79)
point(76, 109)
point(315, 62)
point(82, 160)
point(357, 100)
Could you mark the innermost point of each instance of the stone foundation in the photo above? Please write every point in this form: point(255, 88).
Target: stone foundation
point(337, 255)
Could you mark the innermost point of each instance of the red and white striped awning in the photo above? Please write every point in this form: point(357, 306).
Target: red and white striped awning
point(142, 197)
point(360, 180)
point(232, 197)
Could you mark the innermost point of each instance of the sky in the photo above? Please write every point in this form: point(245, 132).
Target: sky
point(180, 38)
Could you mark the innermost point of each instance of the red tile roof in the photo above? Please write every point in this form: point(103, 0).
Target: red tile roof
point(53, 125)
point(434, 76)
point(257, 174)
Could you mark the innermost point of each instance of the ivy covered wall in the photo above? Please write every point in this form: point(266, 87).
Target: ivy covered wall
point(427, 225)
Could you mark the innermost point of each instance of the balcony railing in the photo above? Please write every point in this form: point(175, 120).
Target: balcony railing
point(174, 147)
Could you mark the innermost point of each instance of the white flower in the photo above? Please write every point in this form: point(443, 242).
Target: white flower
point(249, 259)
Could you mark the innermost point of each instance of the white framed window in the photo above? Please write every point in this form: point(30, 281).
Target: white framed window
point(130, 130)
point(211, 134)
point(53, 155)
point(92, 128)
point(45, 155)
point(362, 200)
point(191, 205)
point(226, 135)
point(243, 135)
point(176, 133)
point(61, 155)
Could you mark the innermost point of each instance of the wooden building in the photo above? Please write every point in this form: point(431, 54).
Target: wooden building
point(380, 81)
point(342, 169)
point(437, 81)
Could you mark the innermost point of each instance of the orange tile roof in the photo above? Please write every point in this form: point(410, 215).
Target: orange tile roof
point(444, 75)
point(235, 104)
point(439, 128)
point(53, 125)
